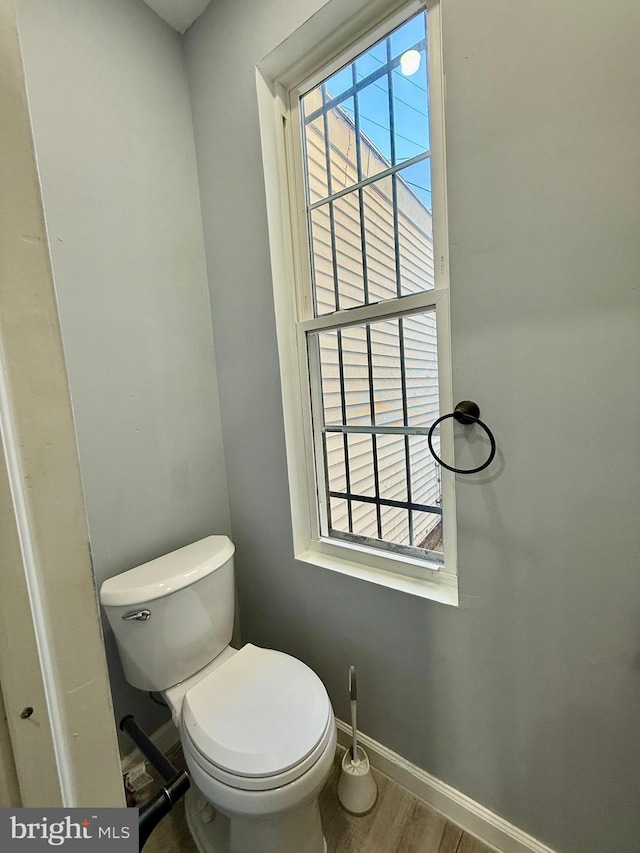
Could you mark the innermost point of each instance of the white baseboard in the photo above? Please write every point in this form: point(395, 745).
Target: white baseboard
point(474, 818)
point(489, 827)
point(165, 738)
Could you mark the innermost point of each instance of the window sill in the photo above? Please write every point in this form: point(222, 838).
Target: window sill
point(444, 592)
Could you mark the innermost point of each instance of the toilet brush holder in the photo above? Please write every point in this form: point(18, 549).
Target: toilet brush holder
point(357, 789)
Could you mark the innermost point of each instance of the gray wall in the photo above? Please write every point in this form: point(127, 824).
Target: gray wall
point(112, 124)
point(526, 697)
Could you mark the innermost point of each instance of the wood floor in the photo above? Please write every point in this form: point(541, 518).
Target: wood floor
point(399, 823)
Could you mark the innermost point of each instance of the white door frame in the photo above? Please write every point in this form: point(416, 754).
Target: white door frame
point(52, 656)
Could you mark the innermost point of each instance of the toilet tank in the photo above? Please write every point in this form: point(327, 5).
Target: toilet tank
point(173, 615)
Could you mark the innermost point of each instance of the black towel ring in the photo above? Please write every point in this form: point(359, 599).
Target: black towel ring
point(466, 412)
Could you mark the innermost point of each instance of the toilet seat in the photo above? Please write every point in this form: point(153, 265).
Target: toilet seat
point(259, 721)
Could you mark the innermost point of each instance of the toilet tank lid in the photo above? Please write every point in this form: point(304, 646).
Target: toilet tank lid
point(167, 574)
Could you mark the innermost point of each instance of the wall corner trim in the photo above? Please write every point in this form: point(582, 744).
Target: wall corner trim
point(471, 816)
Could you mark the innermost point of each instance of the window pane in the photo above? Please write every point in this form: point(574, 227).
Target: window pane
point(384, 372)
point(339, 519)
point(346, 221)
point(362, 464)
point(342, 146)
point(421, 368)
point(417, 180)
point(395, 525)
point(372, 60)
point(379, 240)
point(408, 35)
point(322, 261)
point(315, 149)
point(387, 373)
point(427, 531)
point(425, 472)
point(410, 110)
point(345, 376)
point(382, 229)
point(365, 519)
point(376, 229)
point(315, 144)
point(331, 375)
point(338, 122)
point(392, 467)
point(375, 133)
point(415, 230)
point(339, 82)
point(408, 50)
point(336, 468)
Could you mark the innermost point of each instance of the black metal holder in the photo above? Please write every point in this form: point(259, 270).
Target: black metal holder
point(178, 782)
point(466, 412)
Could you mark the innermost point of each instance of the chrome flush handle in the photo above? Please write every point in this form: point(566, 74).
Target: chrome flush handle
point(137, 616)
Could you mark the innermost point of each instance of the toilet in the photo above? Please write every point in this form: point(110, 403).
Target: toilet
point(256, 725)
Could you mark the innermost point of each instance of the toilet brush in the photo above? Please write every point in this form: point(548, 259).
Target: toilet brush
point(357, 789)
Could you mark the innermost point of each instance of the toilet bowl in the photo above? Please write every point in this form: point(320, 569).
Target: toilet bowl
point(256, 725)
point(259, 738)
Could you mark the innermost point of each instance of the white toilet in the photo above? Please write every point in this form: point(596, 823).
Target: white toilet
point(256, 725)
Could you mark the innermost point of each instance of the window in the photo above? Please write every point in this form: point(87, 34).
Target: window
point(371, 302)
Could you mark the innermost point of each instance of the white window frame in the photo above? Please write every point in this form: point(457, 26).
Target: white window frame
point(281, 79)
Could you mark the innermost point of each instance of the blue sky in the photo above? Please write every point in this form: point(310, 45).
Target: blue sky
point(411, 109)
